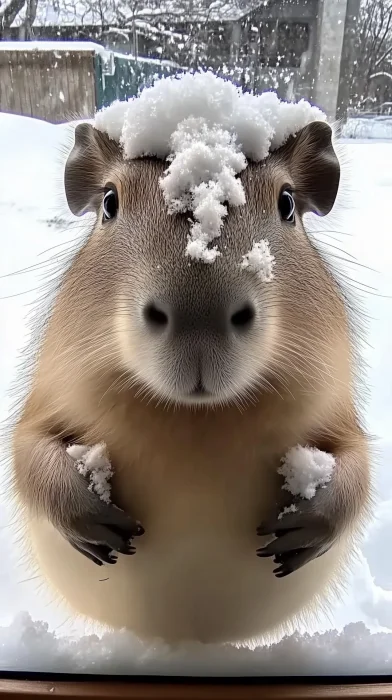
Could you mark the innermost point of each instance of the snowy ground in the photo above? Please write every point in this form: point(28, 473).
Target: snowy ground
point(31, 234)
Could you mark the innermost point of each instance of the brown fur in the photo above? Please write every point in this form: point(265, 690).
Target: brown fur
point(184, 469)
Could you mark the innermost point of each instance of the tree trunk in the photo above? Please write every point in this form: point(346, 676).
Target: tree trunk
point(135, 41)
point(348, 56)
point(8, 15)
point(31, 11)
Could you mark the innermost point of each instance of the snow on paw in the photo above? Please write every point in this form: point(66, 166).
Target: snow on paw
point(101, 530)
point(307, 528)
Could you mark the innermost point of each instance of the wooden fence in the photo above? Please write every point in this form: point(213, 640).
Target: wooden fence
point(54, 85)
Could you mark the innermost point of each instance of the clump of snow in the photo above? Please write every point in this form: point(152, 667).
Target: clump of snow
point(200, 177)
point(207, 128)
point(93, 462)
point(305, 469)
point(260, 260)
point(28, 645)
point(286, 510)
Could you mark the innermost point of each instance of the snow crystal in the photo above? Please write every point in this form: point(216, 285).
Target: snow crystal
point(93, 462)
point(260, 260)
point(207, 128)
point(306, 469)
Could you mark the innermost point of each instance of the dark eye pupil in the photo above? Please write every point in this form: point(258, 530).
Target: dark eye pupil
point(286, 206)
point(110, 205)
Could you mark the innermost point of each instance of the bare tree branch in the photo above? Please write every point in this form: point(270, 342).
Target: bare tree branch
point(373, 52)
point(383, 56)
point(381, 74)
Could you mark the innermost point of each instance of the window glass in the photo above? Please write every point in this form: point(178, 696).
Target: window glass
point(60, 63)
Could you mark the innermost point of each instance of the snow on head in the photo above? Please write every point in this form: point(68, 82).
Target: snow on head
point(200, 177)
point(207, 128)
point(305, 469)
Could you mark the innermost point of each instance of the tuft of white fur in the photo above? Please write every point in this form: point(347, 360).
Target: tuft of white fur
point(207, 128)
point(305, 469)
point(93, 462)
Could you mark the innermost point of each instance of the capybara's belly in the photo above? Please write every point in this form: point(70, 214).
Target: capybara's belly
point(195, 575)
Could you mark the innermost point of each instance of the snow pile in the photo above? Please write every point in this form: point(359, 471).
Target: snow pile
point(93, 462)
point(29, 645)
point(206, 128)
point(305, 469)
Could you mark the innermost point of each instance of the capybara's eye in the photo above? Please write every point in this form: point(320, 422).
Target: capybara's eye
point(286, 206)
point(110, 204)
